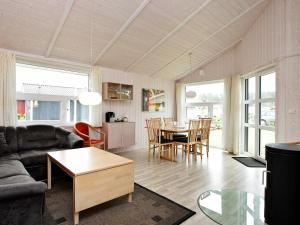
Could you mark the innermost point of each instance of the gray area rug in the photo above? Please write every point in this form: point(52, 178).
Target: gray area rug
point(250, 162)
point(147, 208)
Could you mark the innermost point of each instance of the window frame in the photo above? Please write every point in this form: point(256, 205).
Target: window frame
point(257, 101)
point(62, 99)
point(199, 104)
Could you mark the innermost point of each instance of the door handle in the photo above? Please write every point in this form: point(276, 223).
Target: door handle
point(263, 176)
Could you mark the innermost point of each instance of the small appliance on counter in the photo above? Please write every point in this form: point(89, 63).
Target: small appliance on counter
point(109, 117)
point(121, 119)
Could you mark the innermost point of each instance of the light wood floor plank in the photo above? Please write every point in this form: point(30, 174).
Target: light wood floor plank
point(183, 182)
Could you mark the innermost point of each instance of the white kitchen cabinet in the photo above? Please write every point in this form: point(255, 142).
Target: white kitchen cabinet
point(119, 134)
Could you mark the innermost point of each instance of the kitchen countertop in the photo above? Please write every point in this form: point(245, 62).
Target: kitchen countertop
point(120, 122)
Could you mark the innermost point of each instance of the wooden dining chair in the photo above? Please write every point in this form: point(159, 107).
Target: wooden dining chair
point(157, 120)
point(85, 131)
point(168, 121)
point(205, 125)
point(190, 142)
point(156, 140)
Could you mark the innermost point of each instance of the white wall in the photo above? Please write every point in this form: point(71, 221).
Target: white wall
point(133, 109)
point(274, 39)
point(218, 69)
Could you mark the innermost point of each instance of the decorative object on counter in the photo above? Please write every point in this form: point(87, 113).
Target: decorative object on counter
point(121, 119)
point(117, 91)
point(153, 100)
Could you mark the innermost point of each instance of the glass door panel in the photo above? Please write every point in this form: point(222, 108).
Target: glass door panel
point(259, 112)
point(250, 140)
point(268, 85)
point(250, 113)
point(250, 95)
point(195, 112)
point(267, 114)
point(266, 137)
point(206, 100)
point(216, 135)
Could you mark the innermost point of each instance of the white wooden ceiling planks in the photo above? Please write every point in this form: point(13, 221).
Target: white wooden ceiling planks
point(151, 37)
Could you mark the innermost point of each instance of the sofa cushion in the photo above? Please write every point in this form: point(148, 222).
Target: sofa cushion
point(8, 140)
point(61, 135)
point(3, 144)
point(13, 156)
point(18, 179)
point(34, 157)
point(40, 132)
point(3, 139)
point(11, 168)
point(39, 137)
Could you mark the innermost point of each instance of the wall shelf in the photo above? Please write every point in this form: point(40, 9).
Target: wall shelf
point(117, 91)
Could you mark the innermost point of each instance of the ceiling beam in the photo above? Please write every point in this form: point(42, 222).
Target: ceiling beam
point(172, 32)
point(46, 59)
point(210, 36)
point(122, 29)
point(210, 59)
point(61, 23)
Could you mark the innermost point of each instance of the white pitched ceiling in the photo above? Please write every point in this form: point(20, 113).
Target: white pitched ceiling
point(152, 37)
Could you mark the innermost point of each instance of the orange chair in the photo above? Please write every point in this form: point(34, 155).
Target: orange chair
point(83, 130)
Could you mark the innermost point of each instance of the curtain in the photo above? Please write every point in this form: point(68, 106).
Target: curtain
point(95, 84)
point(231, 114)
point(227, 123)
point(8, 102)
point(180, 102)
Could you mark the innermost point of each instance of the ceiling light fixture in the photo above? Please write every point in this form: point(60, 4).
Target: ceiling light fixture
point(200, 72)
point(90, 97)
point(190, 94)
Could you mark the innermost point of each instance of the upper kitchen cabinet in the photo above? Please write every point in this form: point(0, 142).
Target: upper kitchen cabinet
point(116, 91)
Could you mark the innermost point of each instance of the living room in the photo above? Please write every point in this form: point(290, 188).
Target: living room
point(149, 112)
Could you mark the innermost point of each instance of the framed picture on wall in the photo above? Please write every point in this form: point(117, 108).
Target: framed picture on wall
point(153, 100)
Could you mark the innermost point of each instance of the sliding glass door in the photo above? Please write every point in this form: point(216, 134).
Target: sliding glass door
point(259, 112)
point(206, 100)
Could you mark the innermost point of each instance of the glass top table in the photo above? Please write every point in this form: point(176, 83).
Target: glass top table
point(232, 207)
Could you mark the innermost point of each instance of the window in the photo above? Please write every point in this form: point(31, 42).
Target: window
point(206, 100)
point(259, 112)
point(49, 95)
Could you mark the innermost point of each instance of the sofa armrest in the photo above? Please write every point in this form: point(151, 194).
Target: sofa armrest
point(74, 141)
point(13, 191)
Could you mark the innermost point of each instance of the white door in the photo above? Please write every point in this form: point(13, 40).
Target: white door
point(258, 112)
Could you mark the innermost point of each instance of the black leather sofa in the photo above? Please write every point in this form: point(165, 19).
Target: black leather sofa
point(23, 164)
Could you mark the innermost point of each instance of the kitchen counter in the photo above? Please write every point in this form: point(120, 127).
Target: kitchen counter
point(119, 134)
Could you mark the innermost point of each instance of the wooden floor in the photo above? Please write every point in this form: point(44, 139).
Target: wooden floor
point(183, 182)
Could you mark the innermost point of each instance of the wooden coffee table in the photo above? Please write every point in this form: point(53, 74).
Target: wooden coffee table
point(98, 176)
